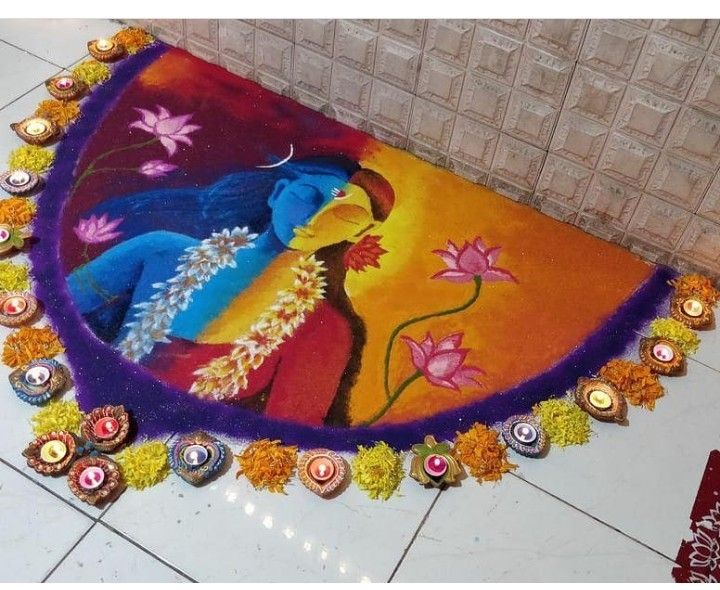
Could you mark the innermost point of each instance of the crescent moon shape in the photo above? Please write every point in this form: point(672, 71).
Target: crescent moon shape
point(281, 162)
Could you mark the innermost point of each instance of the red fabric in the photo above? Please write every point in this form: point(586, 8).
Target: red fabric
point(303, 374)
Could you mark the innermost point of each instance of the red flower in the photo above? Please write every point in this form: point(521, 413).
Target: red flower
point(442, 363)
point(473, 260)
point(365, 253)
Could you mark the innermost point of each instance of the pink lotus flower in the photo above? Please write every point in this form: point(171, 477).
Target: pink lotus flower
point(473, 260)
point(168, 129)
point(442, 363)
point(156, 168)
point(97, 230)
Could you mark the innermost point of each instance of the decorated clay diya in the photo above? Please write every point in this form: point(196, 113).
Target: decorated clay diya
point(107, 428)
point(95, 480)
point(322, 471)
point(12, 238)
point(663, 356)
point(434, 463)
point(39, 380)
point(51, 453)
point(19, 182)
point(601, 400)
point(524, 435)
point(36, 130)
point(65, 87)
point(106, 50)
point(17, 308)
point(692, 311)
point(197, 457)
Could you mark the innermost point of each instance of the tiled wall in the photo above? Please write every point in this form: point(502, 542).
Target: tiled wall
point(611, 125)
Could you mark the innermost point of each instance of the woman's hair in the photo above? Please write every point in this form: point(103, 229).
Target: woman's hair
point(237, 199)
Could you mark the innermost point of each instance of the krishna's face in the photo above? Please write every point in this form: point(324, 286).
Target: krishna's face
point(316, 210)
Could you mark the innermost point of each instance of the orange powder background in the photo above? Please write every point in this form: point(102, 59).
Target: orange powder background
point(569, 281)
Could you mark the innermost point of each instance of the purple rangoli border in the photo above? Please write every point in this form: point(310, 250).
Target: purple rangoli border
point(102, 376)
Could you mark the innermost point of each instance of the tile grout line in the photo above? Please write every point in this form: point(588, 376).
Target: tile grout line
point(30, 53)
point(146, 550)
point(415, 534)
point(48, 490)
point(595, 518)
point(64, 557)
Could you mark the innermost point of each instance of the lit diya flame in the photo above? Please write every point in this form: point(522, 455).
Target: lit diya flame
point(601, 400)
point(17, 308)
point(197, 457)
point(322, 471)
point(692, 311)
point(95, 480)
point(65, 87)
point(661, 356)
point(524, 435)
point(18, 178)
point(434, 463)
point(693, 308)
point(39, 380)
point(51, 453)
point(36, 126)
point(64, 83)
point(106, 49)
point(18, 182)
point(35, 130)
point(107, 427)
point(104, 44)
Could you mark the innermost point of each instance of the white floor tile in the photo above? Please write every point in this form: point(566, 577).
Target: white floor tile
point(227, 531)
point(103, 556)
point(21, 71)
point(60, 41)
point(511, 531)
point(641, 478)
point(37, 529)
point(709, 351)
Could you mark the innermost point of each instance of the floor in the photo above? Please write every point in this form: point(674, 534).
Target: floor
point(614, 510)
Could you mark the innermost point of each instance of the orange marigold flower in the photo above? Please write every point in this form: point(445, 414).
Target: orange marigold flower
point(267, 464)
point(16, 211)
point(639, 385)
point(480, 449)
point(29, 344)
point(366, 252)
point(133, 39)
point(697, 285)
point(61, 112)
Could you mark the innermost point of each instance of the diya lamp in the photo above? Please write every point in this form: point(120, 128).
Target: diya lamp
point(434, 463)
point(692, 311)
point(51, 453)
point(36, 130)
point(524, 435)
point(12, 238)
point(196, 457)
point(601, 400)
point(322, 471)
point(65, 87)
point(39, 380)
point(17, 308)
point(95, 480)
point(663, 356)
point(107, 428)
point(19, 182)
point(106, 50)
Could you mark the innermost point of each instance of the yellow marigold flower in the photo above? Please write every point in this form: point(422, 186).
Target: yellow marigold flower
point(133, 39)
point(14, 277)
point(144, 465)
point(378, 470)
point(61, 112)
point(16, 211)
point(480, 449)
point(29, 344)
point(31, 157)
point(639, 385)
point(267, 464)
point(57, 415)
point(563, 421)
point(92, 72)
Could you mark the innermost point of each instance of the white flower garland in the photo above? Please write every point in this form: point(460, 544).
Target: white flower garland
point(225, 376)
point(198, 265)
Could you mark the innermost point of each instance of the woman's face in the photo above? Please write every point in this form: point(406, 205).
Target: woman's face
point(315, 210)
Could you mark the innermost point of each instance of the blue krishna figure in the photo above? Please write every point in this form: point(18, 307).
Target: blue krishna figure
point(235, 291)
